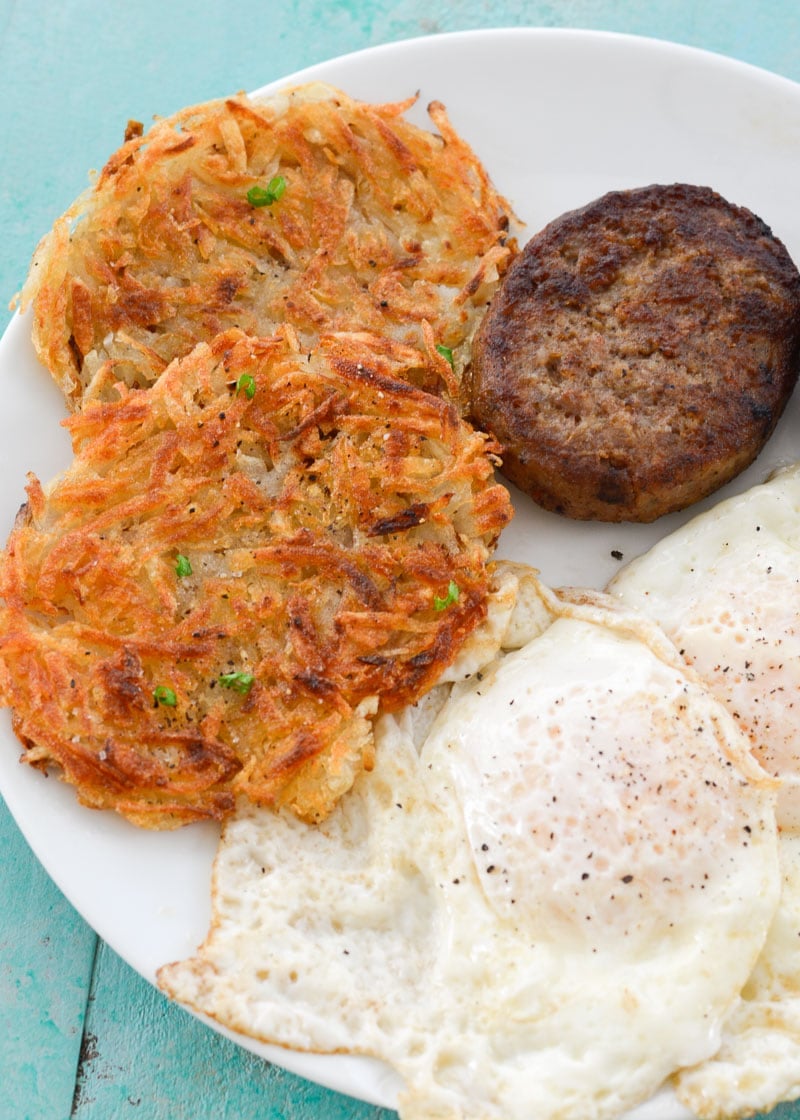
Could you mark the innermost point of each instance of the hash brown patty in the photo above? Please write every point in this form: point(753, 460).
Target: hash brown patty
point(242, 566)
point(307, 208)
point(639, 353)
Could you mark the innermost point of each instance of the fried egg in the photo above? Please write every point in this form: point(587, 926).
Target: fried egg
point(543, 910)
point(726, 589)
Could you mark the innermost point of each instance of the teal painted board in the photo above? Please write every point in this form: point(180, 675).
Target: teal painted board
point(147, 1059)
point(46, 957)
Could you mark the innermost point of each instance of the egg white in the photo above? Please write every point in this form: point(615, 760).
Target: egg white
point(543, 912)
point(726, 589)
point(758, 1063)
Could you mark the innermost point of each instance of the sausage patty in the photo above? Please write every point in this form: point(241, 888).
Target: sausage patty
point(638, 353)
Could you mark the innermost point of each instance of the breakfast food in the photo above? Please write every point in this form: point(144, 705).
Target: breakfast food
point(276, 535)
point(307, 208)
point(639, 353)
point(544, 912)
point(241, 566)
point(265, 580)
point(758, 1063)
point(726, 589)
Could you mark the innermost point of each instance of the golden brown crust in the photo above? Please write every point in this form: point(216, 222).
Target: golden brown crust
point(382, 226)
point(639, 353)
point(324, 505)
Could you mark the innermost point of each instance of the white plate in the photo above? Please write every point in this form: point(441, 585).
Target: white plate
point(558, 117)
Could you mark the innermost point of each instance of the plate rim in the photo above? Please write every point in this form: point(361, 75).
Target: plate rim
point(576, 34)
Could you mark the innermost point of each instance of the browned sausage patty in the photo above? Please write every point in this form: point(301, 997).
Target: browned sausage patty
point(639, 353)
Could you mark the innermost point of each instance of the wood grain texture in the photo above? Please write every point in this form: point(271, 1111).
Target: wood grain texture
point(71, 75)
point(149, 1058)
point(46, 957)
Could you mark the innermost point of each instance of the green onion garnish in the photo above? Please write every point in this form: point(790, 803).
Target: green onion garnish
point(446, 353)
point(183, 566)
point(239, 682)
point(247, 385)
point(451, 597)
point(265, 196)
point(164, 695)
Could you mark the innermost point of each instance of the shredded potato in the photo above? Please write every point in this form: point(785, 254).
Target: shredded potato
point(380, 225)
point(243, 565)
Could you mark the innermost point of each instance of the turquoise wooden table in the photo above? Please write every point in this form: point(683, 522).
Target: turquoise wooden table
point(81, 1035)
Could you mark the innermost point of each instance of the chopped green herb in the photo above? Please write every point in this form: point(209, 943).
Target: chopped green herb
point(240, 682)
point(276, 186)
point(183, 566)
point(451, 597)
point(258, 196)
point(247, 385)
point(164, 695)
point(446, 353)
point(265, 196)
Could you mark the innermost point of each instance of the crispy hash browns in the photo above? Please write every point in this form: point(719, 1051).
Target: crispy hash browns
point(242, 565)
point(356, 219)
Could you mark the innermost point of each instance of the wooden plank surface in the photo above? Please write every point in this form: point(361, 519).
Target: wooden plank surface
point(145, 1057)
point(46, 959)
point(81, 1035)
